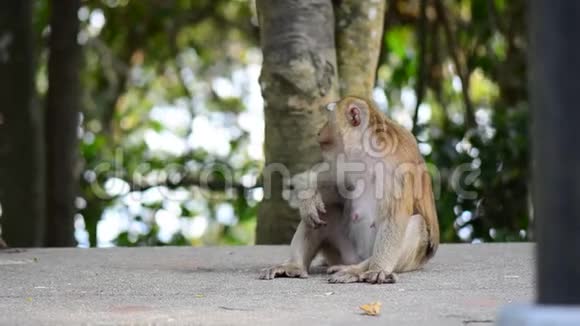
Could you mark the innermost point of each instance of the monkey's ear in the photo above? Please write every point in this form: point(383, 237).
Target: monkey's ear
point(354, 114)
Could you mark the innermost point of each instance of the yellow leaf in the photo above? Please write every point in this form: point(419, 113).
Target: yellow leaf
point(371, 309)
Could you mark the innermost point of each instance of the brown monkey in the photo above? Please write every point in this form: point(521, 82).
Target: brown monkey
point(369, 207)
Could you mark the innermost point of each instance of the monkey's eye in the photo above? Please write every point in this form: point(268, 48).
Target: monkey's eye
point(331, 106)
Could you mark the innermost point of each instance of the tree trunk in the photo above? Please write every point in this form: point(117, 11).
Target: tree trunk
point(62, 122)
point(298, 76)
point(359, 31)
point(21, 173)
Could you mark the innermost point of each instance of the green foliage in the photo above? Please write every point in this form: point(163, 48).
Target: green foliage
point(489, 39)
point(142, 58)
point(163, 79)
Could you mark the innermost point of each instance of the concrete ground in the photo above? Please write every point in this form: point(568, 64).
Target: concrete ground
point(463, 285)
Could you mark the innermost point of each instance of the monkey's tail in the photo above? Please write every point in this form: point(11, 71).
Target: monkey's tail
point(426, 207)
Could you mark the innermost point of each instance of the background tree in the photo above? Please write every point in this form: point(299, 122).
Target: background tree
point(21, 161)
point(298, 77)
point(359, 33)
point(62, 122)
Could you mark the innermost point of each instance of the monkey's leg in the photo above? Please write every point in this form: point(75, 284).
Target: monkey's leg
point(331, 255)
point(415, 242)
point(391, 228)
point(360, 214)
point(350, 268)
point(304, 246)
point(386, 252)
point(393, 252)
point(380, 267)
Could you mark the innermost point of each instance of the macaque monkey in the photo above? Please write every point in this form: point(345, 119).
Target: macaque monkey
point(368, 208)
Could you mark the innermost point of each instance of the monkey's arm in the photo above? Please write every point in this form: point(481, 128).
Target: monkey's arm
point(310, 191)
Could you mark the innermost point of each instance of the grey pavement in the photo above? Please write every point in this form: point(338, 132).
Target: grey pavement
point(462, 285)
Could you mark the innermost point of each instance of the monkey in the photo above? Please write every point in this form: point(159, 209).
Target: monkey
point(368, 207)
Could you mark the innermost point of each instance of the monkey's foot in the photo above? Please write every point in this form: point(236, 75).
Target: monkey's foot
point(354, 273)
point(284, 270)
point(337, 268)
point(378, 277)
point(344, 274)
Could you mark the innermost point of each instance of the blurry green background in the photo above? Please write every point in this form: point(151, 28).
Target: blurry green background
point(175, 83)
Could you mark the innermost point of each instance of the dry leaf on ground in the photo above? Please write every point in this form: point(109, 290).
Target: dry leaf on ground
point(371, 309)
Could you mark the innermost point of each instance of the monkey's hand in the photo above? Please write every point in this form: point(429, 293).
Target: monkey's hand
point(304, 195)
point(310, 210)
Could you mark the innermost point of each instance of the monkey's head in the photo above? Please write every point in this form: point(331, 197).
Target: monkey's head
point(347, 123)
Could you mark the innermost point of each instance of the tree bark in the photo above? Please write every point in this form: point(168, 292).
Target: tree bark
point(298, 76)
point(359, 31)
point(62, 122)
point(21, 173)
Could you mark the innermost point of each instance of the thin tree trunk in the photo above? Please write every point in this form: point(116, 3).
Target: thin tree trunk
point(21, 173)
point(359, 31)
point(298, 77)
point(62, 120)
